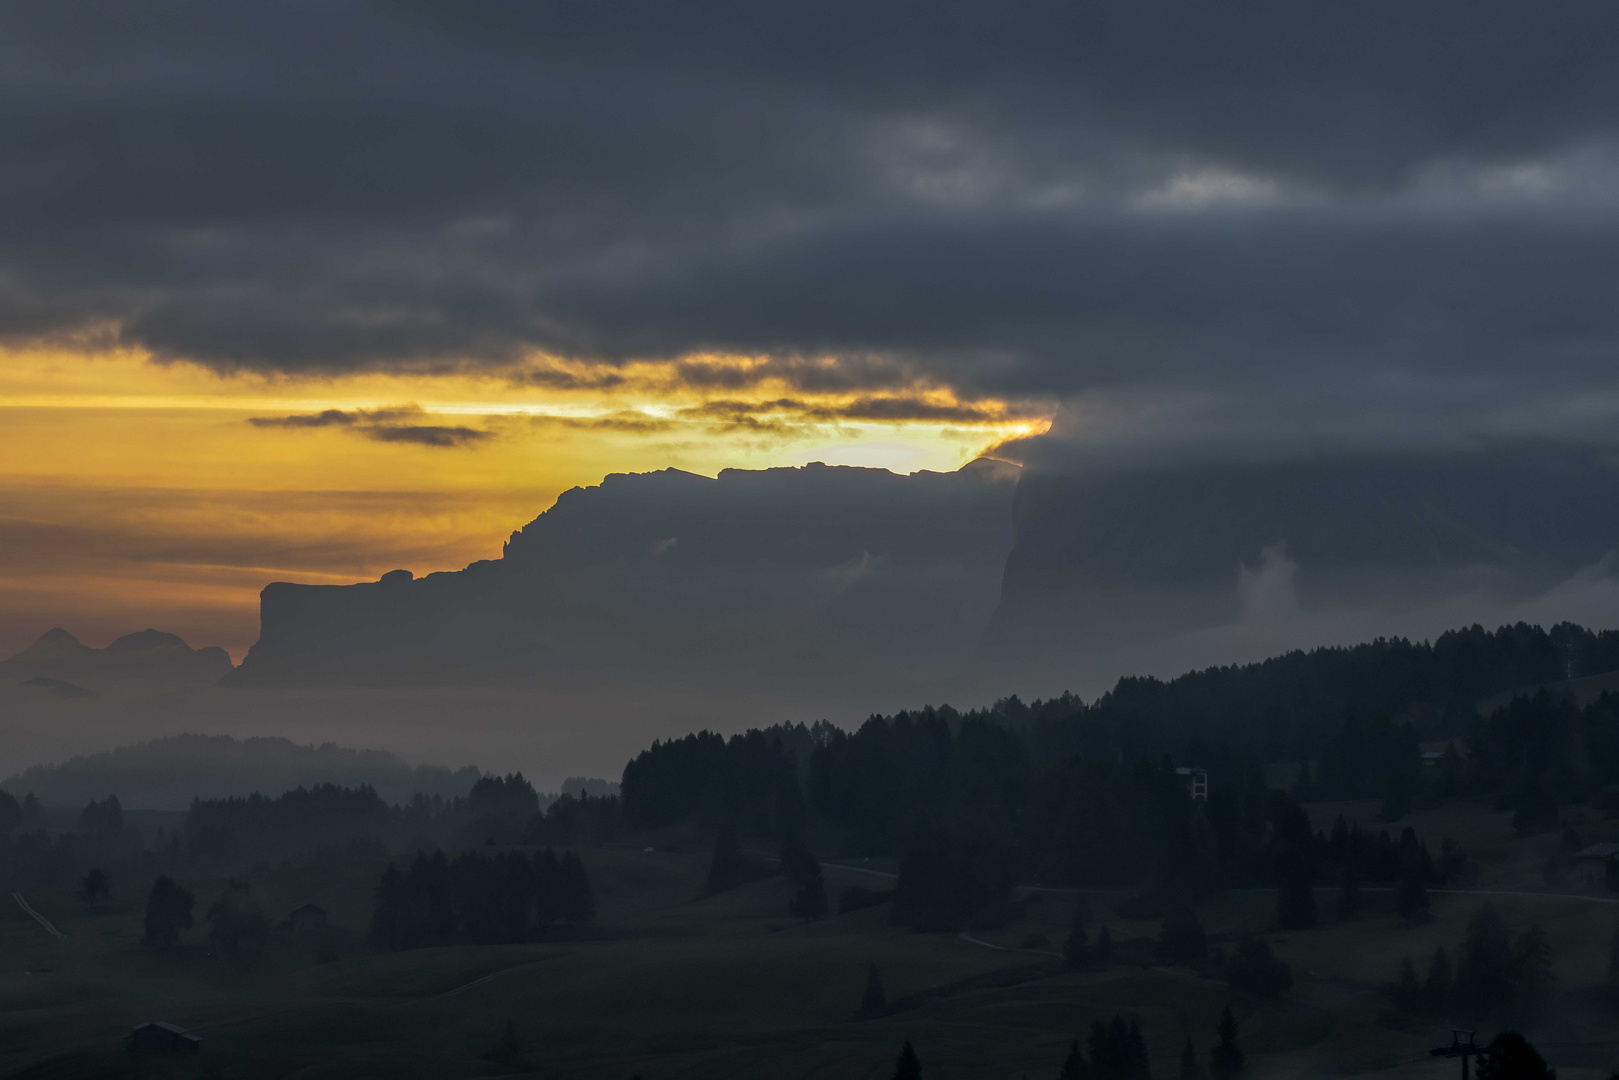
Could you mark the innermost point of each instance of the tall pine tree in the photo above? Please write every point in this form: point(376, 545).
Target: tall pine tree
point(907, 1066)
point(874, 1002)
point(728, 869)
point(1226, 1060)
point(1191, 1067)
point(1613, 963)
point(1074, 1066)
point(1076, 950)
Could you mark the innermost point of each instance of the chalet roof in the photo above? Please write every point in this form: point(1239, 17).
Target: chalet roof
point(1598, 851)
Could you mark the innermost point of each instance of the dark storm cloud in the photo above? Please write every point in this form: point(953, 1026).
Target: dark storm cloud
point(383, 425)
point(1023, 200)
point(885, 409)
point(325, 418)
point(629, 420)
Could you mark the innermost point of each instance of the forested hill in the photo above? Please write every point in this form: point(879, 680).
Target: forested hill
point(1352, 715)
point(168, 773)
point(1295, 707)
point(1062, 790)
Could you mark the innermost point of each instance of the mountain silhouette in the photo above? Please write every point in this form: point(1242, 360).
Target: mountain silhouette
point(779, 578)
point(801, 581)
point(143, 659)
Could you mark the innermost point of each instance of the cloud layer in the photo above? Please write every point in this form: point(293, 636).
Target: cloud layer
point(400, 425)
point(1409, 204)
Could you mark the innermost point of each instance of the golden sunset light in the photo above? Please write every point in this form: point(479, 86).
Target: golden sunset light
point(141, 493)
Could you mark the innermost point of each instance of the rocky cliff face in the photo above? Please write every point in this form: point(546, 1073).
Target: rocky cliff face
point(799, 581)
point(144, 659)
point(780, 578)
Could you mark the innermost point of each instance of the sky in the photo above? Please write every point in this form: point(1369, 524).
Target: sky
point(313, 291)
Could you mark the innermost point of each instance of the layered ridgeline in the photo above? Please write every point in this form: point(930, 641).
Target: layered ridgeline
point(58, 662)
point(816, 580)
point(166, 774)
point(782, 579)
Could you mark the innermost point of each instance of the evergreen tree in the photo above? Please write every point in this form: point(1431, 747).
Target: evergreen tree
point(874, 1002)
point(168, 911)
point(1349, 899)
point(907, 1066)
point(1613, 962)
point(1407, 992)
point(1295, 899)
point(435, 906)
point(547, 886)
point(803, 870)
point(386, 905)
point(1104, 1056)
point(1182, 940)
point(1398, 795)
point(1227, 1060)
point(508, 1051)
point(1510, 1056)
point(1254, 968)
point(1076, 950)
point(1532, 978)
point(1191, 1067)
point(1436, 989)
point(1074, 1066)
point(1137, 1066)
point(1338, 845)
point(1103, 951)
point(10, 813)
point(729, 868)
point(1484, 967)
point(1118, 1051)
point(1412, 893)
point(578, 903)
point(94, 886)
point(102, 817)
point(236, 917)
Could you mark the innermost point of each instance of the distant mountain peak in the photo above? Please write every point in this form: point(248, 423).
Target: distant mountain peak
point(145, 658)
point(51, 646)
point(146, 643)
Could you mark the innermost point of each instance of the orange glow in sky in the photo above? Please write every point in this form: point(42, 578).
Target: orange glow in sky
point(136, 494)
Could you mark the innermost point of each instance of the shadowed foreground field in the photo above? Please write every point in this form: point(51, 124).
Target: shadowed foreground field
point(672, 984)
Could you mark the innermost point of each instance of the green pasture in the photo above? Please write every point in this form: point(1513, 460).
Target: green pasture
point(671, 984)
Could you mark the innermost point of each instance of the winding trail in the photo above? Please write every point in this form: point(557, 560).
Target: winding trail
point(42, 920)
point(1007, 948)
point(491, 975)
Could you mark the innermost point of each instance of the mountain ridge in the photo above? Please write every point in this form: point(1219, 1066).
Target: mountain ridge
point(765, 577)
point(140, 659)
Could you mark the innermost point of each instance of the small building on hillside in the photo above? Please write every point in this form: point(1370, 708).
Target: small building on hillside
point(1601, 863)
point(1197, 783)
point(307, 921)
point(158, 1037)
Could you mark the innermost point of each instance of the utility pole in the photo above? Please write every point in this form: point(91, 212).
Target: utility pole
point(1457, 1048)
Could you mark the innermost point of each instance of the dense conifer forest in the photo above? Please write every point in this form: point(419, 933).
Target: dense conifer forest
point(971, 804)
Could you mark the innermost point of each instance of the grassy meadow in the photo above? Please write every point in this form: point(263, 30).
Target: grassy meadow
point(672, 984)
